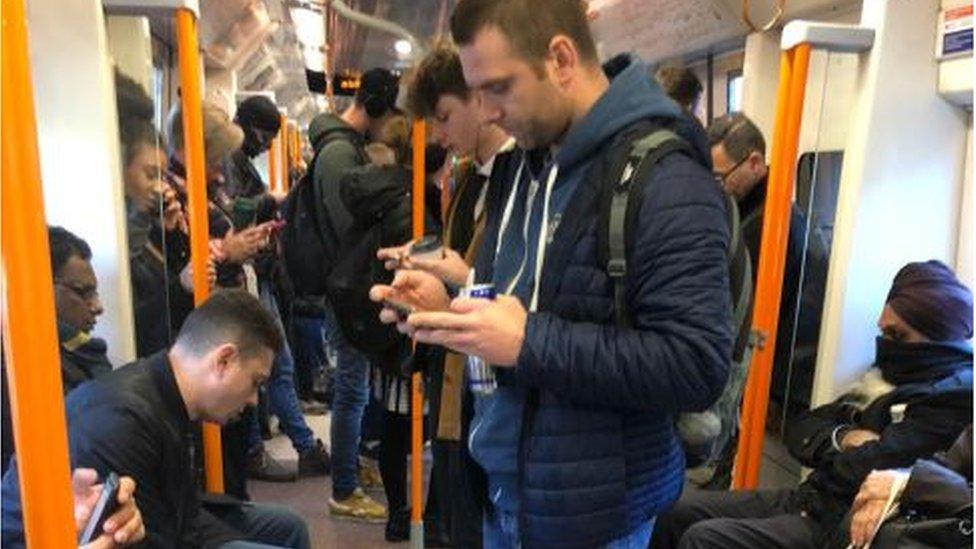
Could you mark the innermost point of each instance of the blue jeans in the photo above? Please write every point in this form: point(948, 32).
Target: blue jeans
point(266, 526)
point(501, 531)
point(351, 394)
point(308, 338)
point(281, 391)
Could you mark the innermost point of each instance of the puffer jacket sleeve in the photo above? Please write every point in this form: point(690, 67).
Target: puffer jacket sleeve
point(676, 356)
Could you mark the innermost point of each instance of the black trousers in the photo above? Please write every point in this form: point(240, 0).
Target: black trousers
point(735, 520)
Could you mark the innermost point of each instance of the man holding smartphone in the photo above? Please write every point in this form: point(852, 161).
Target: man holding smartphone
point(138, 421)
point(578, 440)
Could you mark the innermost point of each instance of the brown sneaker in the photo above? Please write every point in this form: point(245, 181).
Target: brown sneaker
point(358, 506)
point(369, 476)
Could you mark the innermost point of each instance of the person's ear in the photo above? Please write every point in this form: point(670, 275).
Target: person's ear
point(223, 358)
point(757, 163)
point(563, 59)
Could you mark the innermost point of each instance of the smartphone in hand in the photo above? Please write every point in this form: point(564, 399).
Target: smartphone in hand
point(107, 504)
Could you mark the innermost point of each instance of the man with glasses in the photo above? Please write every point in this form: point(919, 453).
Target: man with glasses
point(77, 307)
point(739, 163)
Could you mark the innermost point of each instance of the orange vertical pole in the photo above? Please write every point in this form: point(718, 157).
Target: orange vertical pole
point(31, 343)
point(273, 164)
point(196, 185)
point(285, 159)
point(416, 396)
point(772, 261)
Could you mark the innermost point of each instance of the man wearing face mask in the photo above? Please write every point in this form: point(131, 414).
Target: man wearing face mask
point(259, 118)
point(913, 403)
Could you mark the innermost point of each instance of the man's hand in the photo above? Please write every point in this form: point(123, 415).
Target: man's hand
point(238, 247)
point(394, 258)
point(423, 291)
point(124, 527)
point(492, 330)
point(186, 275)
point(870, 503)
point(857, 437)
point(451, 268)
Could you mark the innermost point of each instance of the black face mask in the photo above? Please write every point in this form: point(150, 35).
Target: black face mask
point(252, 145)
point(902, 362)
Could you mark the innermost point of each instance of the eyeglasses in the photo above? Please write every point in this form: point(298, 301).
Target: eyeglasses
point(85, 294)
point(720, 177)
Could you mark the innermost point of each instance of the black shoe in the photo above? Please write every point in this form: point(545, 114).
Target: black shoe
point(398, 525)
point(434, 535)
point(261, 466)
point(315, 461)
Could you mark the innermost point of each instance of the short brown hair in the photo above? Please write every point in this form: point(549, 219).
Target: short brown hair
point(738, 135)
point(529, 24)
point(438, 73)
point(681, 84)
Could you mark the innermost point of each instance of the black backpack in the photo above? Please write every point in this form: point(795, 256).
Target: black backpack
point(618, 216)
point(308, 256)
point(357, 269)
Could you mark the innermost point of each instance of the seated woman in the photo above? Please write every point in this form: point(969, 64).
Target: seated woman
point(914, 402)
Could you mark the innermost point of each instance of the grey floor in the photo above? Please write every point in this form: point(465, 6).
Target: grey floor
point(310, 499)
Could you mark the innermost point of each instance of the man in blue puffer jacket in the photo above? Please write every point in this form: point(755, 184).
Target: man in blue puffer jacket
point(578, 441)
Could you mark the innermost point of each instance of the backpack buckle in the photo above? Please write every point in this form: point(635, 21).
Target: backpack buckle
point(617, 268)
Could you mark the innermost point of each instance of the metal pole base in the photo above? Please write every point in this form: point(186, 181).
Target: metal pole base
point(417, 535)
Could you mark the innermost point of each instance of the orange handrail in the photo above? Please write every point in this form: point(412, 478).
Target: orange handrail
point(31, 343)
point(33, 364)
point(794, 66)
point(416, 396)
point(273, 163)
point(196, 186)
point(285, 158)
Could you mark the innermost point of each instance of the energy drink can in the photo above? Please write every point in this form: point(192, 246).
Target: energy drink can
point(481, 375)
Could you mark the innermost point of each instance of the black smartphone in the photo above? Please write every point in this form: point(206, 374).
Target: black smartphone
point(107, 503)
point(402, 309)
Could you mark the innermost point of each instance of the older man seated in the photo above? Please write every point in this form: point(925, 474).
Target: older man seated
point(913, 403)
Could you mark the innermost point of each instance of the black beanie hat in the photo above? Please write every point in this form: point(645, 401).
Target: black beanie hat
point(930, 298)
point(259, 112)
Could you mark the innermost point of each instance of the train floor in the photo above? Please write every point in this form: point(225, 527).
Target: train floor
point(309, 497)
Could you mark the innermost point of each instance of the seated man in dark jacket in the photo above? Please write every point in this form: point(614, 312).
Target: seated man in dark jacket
point(913, 403)
point(937, 488)
point(138, 421)
point(77, 307)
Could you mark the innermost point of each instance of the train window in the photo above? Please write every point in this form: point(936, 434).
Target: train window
point(733, 91)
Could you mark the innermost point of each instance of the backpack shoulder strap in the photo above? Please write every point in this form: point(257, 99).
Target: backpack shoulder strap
point(643, 153)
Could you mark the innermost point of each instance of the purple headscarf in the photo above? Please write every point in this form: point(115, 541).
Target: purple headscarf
point(930, 298)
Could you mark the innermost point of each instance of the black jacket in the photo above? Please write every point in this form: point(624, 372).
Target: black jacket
point(242, 177)
point(134, 422)
point(811, 294)
point(936, 409)
point(942, 486)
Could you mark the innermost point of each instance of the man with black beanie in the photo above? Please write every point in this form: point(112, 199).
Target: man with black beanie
point(913, 403)
point(259, 118)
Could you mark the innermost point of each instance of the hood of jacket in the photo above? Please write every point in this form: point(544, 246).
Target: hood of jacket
point(369, 192)
point(633, 95)
point(324, 124)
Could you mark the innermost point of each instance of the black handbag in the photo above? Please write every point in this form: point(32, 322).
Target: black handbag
point(913, 532)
